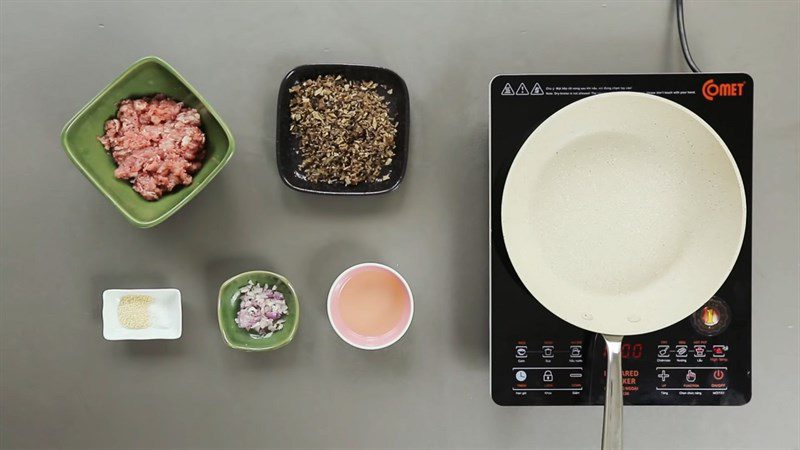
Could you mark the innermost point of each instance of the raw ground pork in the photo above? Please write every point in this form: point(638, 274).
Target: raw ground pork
point(157, 144)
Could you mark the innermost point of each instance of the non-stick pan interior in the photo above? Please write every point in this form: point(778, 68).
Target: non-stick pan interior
point(623, 213)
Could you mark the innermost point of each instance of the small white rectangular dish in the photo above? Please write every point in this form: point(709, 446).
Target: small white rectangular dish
point(165, 315)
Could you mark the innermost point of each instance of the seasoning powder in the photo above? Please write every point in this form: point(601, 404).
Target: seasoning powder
point(133, 311)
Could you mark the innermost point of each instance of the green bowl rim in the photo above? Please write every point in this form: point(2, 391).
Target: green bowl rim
point(292, 332)
point(151, 223)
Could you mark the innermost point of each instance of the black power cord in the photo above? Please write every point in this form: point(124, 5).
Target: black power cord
point(682, 35)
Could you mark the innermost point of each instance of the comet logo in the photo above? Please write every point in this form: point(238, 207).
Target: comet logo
point(712, 90)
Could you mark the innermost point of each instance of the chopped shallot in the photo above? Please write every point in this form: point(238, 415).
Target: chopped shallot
point(261, 309)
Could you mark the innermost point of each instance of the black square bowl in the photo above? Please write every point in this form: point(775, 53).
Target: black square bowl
point(288, 153)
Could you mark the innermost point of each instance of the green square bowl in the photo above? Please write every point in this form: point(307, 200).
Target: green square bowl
point(145, 77)
point(228, 306)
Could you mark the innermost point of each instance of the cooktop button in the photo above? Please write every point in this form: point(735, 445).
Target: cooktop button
point(700, 351)
point(521, 375)
point(663, 351)
point(720, 350)
point(575, 351)
point(522, 351)
point(712, 318)
point(681, 350)
point(547, 351)
point(709, 316)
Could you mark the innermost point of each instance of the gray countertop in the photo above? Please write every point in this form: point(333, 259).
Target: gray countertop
point(63, 386)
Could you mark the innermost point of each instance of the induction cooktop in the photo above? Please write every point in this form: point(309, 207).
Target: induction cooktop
point(539, 359)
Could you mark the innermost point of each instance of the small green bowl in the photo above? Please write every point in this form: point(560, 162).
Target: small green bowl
point(145, 77)
point(228, 306)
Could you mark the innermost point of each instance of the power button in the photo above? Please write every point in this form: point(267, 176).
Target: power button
point(718, 374)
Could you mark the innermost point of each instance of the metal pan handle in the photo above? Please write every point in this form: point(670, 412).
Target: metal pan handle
point(612, 414)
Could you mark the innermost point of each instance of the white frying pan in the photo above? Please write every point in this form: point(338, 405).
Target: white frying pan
point(623, 213)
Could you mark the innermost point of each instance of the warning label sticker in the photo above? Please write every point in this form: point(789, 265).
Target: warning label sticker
point(537, 89)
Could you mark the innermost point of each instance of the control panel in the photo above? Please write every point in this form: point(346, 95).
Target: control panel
point(656, 373)
point(697, 369)
point(543, 368)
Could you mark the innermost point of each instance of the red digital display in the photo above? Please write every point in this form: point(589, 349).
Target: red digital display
point(632, 351)
point(629, 351)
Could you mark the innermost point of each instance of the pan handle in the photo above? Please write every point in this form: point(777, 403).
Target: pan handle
point(612, 414)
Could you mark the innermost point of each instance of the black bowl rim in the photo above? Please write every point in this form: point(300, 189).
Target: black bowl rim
point(319, 69)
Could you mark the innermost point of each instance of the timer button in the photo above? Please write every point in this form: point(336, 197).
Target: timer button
point(521, 376)
point(712, 318)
